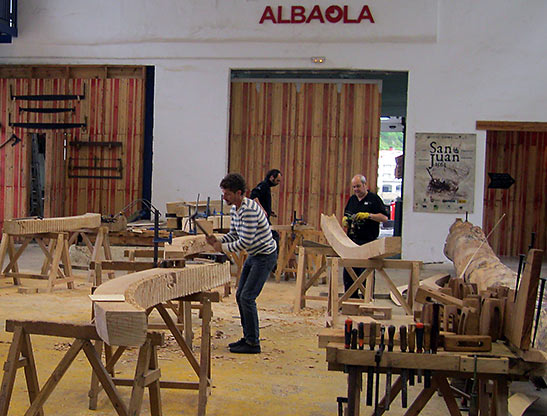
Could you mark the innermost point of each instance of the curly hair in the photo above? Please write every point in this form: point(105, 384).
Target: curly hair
point(233, 182)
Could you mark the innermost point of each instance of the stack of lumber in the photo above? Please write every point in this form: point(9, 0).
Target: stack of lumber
point(178, 213)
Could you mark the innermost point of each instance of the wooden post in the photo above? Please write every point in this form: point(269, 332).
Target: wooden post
point(205, 356)
point(299, 301)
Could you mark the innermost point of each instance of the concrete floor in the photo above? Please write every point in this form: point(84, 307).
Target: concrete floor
point(290, 377)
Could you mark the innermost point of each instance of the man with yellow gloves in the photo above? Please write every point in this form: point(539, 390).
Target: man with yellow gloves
point(362, 217)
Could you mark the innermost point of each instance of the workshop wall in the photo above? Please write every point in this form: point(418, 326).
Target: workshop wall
point(318, 134)
point(466, 61)
point(95, 167)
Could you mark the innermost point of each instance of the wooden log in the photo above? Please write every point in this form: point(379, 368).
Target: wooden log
point(125, 323)
point(474, 259)
point(185, 246)
point(24, 226)
point(347, 249)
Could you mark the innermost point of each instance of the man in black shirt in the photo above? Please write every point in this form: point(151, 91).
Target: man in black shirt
point(362, 217)
point(262, 195)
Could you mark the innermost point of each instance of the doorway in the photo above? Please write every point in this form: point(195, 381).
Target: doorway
point(318, 127)
point(518, 151)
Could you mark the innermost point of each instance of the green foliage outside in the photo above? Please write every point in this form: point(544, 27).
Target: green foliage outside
point(391, 139)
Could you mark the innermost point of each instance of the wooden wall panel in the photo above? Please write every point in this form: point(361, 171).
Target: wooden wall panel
point(318, 134)
point(113, 110)
point(524, 156)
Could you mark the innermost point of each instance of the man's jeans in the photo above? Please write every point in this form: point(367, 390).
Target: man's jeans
point(256, 271)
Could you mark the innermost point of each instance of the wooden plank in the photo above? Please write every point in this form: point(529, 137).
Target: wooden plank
point(347, 249)
point(511, 125)
point(25, 226)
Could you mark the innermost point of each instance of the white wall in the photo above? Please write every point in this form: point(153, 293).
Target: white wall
point(468, 60)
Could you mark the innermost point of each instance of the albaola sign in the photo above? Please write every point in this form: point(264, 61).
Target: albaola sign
point(299, 14)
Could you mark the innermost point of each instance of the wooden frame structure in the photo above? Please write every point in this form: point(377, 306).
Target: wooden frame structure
point(372, 267)
point(307, 276)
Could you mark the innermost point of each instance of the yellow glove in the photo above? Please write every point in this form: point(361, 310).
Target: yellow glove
point(361, 216)
point(345, 221)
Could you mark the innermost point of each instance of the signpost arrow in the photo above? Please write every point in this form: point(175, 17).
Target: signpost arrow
point(500, 181)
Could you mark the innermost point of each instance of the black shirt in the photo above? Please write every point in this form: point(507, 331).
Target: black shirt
point(368, 230)
point(262, 191)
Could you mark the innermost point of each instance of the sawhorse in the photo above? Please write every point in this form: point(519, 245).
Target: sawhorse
point(147, 373)
point(303, 282)
point(336, 266)
point(56, 269)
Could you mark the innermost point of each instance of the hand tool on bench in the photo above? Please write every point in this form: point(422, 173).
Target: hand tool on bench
point(404, 372)
point(370, 370)
point(411, 348)
point(347, 333)
point(390, 343)
point(377, 359)
point(361, 335)
point(419, 344)
point(427, 350)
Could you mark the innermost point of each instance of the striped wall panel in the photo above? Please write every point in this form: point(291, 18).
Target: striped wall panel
point(524, 156)
point(318, 134)
point(113, 109)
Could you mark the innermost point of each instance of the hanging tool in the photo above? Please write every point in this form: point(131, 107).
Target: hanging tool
point(427, 350)
point(390, 343)
point(419, 344)
point(539, 307)
point(435, 328)
point(347, 333)
point(521, 263)
point(370, 370)
point(361, 335)
point(13, 138)
point(404, 372)
point(353, 344)
point(411, 347)
point(377, 359)
point(473, 402)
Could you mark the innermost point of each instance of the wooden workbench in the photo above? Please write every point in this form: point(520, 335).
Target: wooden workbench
point(500, 366)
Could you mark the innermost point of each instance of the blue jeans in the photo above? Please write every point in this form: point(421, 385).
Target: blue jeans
point(254, 274)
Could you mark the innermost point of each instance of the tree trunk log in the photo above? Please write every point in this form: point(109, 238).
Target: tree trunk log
point(467, 247)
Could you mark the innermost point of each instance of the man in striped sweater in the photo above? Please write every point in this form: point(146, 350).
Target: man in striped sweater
point(250, 231)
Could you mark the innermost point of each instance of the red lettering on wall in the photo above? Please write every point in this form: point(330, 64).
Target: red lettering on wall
point(298, 14)
point(316, 15)
point(365, 15)
point(280, 15)
point(334, 13)
point(267, 15)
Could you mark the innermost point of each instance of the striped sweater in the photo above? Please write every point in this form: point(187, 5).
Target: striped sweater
point(249, 230)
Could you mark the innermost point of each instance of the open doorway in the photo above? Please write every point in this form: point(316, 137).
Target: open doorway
point(38, 174)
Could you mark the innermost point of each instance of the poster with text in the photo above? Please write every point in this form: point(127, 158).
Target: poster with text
point(444, 174)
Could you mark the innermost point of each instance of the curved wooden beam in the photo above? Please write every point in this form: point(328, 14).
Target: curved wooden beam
point(24, 226)
point(347, 249)
point(124, 322)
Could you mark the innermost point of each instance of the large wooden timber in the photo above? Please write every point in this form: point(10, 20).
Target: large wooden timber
point(347, 249)
point(125, 322)
point(474, 259)
point(24, 226)
point(187, 245)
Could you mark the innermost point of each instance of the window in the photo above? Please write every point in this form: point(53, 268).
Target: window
point(386, 188)
point(398, 188)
